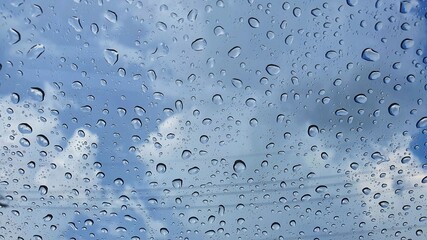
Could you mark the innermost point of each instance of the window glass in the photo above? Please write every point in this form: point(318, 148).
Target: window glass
point(241, 119)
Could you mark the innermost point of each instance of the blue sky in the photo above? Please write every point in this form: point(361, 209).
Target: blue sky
point(101, 166)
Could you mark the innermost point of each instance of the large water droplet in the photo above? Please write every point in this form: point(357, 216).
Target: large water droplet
point(360, 98)
point(36, 51)
point(199, 44)
point(111, 16)
point(272, 69)
point(177, 183)
point(217, 99)
point(161, 168)
point(25, 128)
point(43, 189)
point(275, 226)
point(394, 109)
point(36, 94)
point(186, 154)
point(42, 140)
point(370, 55)
point(239, 166)
point(234, 52)
point(253, 22)
point(422, 123)
point(13, 36)
point(313, 130)
point(111, 56)
point(192, 15)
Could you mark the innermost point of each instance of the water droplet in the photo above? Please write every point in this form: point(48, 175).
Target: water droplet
point(217, 99)
point(360, 98)
point(313, 130)
point(186, 154)
point(15, 98)
point(193, 170)
point(407, 43)
point(24, 142)
point(111, 16)
point(289, 40)
point(275, 226)
point(204, 139)
point(42, 140)
point(13, 36)
point(405, 6)
point(118, 182)
point(75, 23)
point(25, 128)
point(366, 190)
point(199, 44)
point(384, 204)
point(161, 168)
point(94, 28)
point(272, 69)
point(352, 3)
point(237, 82)
point(374, 75)
point(36, 94)
point(151, 75)
point(250, 102)
point(370, 55)
point(164, 231)
point(218, 30)
point(48, 218)
point(341, 112)
point(321, 188)
point(210, 233)
point(331, 54)
point(193, 220)
point(394, 109)
point(43, 190)
point(239, 166)
point(36, 51)
point(354, 165)
point(161, 26)
point(253, 22)
point(424, 180)
point(422, 123)
point(111, 56)
point(234, 52)
point(177, 183)
point(192, 15)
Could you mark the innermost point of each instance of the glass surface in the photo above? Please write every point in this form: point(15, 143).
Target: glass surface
point(213, 119)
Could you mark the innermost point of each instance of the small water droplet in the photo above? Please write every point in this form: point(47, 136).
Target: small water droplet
point(384, 204)
point(360, 98)
point(43, 190)
point(48, 218)
point(341, 112)
point(164, 231)
point(186, 154)
point(161, 168)
point(177, 183)
point(217, 99)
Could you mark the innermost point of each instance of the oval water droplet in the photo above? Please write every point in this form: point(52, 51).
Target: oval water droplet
point(394, 109)
point(151, 75)
point(199, 44)
point(192, 15)
point(36, 94)
point(384, 204)
point(360, 98)
point(42, 140)
point(15, 98)
point(407, 43)
point(111, 56)
point(370, 55)
point(239, 166)
point(313, 130)
point(193, 170)
point(25, 128)
point(272, 69)
point(36, 51)
point(48, 218)
point(164, 231)
point(43, 190)
point(422, 123)
point(366, 190)
point(234, 52)
point(253, 22)
point(341, 112)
